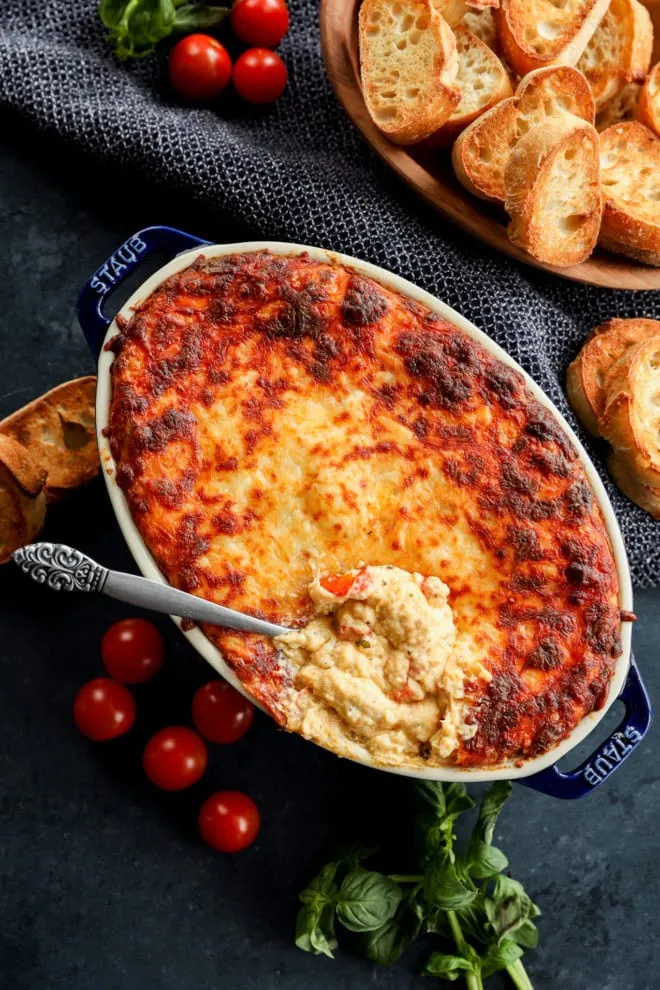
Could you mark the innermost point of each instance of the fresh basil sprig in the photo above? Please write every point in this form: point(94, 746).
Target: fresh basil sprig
point(460, 896)
point(136, 26)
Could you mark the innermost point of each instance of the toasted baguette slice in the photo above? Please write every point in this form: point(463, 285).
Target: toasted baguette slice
point(631, 418)
point(22, 500)
point(58, 431)
point(645, 496)
point(559, 88)
point(648, 107)
point(585, 378)
point(408, 67)
point(481, 22)
point(478, 19)
point(623, 106)
point(537, 33)
point(619, 51)
point(553, 196)
point(481, 152)
point(630, 171)
point(482, 80)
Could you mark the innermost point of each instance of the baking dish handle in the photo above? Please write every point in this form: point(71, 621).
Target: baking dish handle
point(610, 755)
point(117, 268)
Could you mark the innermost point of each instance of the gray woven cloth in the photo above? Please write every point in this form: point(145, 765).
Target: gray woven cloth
point(300, 172)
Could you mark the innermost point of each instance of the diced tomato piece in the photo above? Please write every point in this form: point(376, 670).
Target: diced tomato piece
point(338, 584)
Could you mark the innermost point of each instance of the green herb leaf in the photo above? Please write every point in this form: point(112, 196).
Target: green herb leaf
point(315, 924)
point(111, 13)
point(148, 21)
point(315, 929)
point(385, 945)
point(473, 920)
point(483, 860)
point(193, 16)
point(445, 888)
point(445, 799)
point(448, 967)
point(367, 900)
point(527, 935)
point(499, 957)
point(509, 907)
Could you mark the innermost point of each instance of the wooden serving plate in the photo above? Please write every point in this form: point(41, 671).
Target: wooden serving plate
point(430, 173)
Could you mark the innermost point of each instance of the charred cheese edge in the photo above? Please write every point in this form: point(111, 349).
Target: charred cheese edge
point(277, 417)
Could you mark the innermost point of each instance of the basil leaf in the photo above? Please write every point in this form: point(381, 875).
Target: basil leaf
point(509, 907)
point(315, 928)
point(457, 800)
point(193, 16)
point(148, 21)
point(446, 966)
point(322, 884)
point(445, 888)
point(499, 957)
point(385, 945)
point(111, 13)
point(315, 923)
point(445, 799)
point(367, 900)
point(473, 921)
point(527, 935)
point(482, 859)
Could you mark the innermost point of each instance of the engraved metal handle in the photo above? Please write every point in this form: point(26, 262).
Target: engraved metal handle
point(64, 569)
point(60, 568)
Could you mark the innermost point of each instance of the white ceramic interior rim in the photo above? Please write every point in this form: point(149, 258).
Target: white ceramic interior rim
point(198, 640)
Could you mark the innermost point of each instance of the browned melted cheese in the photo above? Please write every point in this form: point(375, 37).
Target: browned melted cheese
point(273, 416)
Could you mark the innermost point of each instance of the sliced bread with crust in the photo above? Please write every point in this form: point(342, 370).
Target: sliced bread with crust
point(408, 66)
point(557, 88)
point(648, 106)
point(537, 33)
point(619, 51)
point(58, 431)
point(481, 22)
point(623, 106)
point(630, 171)
point(22, 500)
point(645, 496)
point(586, 375)
point(631, 418)
point(553, 196)
point(482, 80)
point(476, 18)
point(481, 152)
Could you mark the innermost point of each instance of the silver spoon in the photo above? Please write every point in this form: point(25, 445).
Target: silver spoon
point(64, 569)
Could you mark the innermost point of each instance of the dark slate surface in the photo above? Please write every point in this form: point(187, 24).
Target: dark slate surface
point(104, 885)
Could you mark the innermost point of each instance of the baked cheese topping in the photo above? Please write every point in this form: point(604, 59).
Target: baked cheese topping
point(381, 666)
point(273, 417)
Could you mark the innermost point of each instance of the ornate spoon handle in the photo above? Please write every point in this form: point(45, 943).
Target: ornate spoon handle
point(64, 569)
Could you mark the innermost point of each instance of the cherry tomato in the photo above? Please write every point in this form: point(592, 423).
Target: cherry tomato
point(174, 758)
point(229, 821)
point(132, 651)
point(259, 75)
point(260, 22)
point(103, 709)
point(199, 67)
point(220, 713)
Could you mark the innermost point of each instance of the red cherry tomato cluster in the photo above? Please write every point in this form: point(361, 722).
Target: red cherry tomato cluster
point(175, 757)
point(200, 67)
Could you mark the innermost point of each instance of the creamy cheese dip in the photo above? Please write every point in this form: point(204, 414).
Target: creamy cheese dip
point(382, 667)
